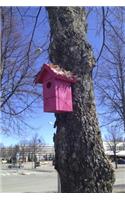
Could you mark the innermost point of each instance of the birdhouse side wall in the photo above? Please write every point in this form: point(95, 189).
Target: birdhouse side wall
point(63, 96)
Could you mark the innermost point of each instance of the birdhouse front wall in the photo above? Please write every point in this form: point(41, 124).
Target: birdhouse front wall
point(50, 104)
point(46, 76)
point(49, 88)
point(49, 94)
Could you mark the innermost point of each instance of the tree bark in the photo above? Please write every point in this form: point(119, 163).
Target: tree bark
point(79, 154)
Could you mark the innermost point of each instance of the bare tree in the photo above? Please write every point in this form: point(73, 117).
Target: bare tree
point(113, 138)
point(79, 154)
point(9, 151)
point(36, 144)
point(24, 149)
point(20, 49)
point(110, 82)
point(15, 153)
point(2, 151)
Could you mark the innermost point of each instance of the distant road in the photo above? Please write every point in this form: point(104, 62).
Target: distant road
point(43, 179)
point(119, 185)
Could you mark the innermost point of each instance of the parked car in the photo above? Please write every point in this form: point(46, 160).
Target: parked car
point(37, 164)
point(4, 161)
point(15, 166)
point(121, 161)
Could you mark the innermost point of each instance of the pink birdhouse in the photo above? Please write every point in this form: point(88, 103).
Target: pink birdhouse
point(57, 93)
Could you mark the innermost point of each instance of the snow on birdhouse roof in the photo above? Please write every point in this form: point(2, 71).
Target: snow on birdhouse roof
point(56, 71)
point(60, 71)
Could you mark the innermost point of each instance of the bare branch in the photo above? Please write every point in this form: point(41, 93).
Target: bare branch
point(116, 31)
point(103, 34)
point(33, 32)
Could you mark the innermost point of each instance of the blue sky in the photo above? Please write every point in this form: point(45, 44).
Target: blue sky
point(44, 121)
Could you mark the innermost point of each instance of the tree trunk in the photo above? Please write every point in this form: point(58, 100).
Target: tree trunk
point(115, 159)
point(79, 154)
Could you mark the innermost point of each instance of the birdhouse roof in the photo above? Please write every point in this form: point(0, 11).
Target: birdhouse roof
point(55, 71)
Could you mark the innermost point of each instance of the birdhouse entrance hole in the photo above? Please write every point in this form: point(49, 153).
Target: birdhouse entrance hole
point(49, 85)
